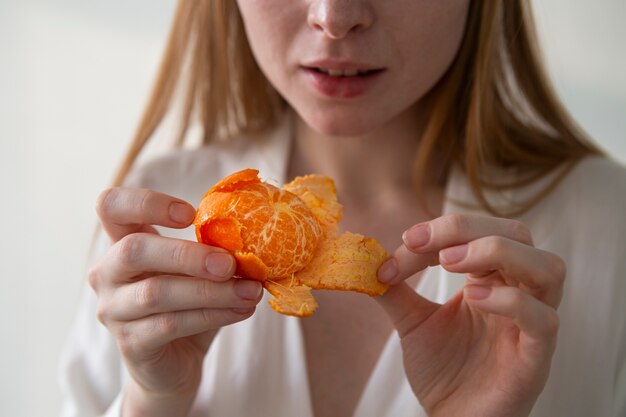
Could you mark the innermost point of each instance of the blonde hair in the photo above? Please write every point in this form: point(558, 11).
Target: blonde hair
point(493, 107)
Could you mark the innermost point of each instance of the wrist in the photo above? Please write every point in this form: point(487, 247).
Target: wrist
point(139, 402)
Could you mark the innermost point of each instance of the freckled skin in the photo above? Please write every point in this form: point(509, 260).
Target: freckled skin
point(413, 40)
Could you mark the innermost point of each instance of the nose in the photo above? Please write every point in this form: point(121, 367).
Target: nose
point(338, 18)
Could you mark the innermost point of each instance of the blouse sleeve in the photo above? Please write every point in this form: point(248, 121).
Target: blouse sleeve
point(584, 222)
point(619, 408)
point(619, 309)
point(615, 350)
point(594, 305)
point(90, 369)
point(91, 372)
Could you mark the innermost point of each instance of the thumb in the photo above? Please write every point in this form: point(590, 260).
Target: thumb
point(406, 308)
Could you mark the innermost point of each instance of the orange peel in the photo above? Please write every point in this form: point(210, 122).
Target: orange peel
point(287, 239)
point(291, 298)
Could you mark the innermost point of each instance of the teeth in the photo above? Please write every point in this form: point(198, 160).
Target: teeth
point(342, 73)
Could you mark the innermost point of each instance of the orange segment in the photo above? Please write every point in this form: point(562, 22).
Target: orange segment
point(290, 298)
point(224, 232)
point(349, 263)
point(247, 216)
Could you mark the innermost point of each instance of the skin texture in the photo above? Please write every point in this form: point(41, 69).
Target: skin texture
point(512, 330)
point(414, 41)
point(491, 343)
point(486, 352)
point(163, 299)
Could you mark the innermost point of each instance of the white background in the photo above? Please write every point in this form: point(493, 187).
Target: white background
point(74, 76)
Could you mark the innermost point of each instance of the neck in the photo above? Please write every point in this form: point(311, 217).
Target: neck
point(381, 160)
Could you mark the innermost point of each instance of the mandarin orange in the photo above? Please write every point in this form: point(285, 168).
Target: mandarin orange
point(271, 231)
point(287, 238)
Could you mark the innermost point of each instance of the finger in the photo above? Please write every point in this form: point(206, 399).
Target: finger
point(423, 241)
point(455, 229)
point(538, 322)
point(164, 294)
point(140, 252)
point(541, 272)
point(123, 211)
point(406, 309)
point(139, 337)
point(404, 263)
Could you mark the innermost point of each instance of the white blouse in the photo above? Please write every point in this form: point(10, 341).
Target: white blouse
point(258, 367)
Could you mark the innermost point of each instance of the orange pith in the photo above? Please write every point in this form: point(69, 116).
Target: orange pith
point(287, 239)
point(291, 298)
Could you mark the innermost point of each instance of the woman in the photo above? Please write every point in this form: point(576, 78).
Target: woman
point(446, 144)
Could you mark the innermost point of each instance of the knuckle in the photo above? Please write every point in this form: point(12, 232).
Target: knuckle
point(208, 317)
point(520, 231)
point(148, 293)
point(166, 323)
point(102, 313)
point(105, 201)
point(147, 201)
point(516, 299)
point(179, 254)
point(457, 222)
point(552, 322)
point(205, 291)
point(494, 246)
point(125, 341)
point(93, 277)
point(129, 249)
point(560, 268)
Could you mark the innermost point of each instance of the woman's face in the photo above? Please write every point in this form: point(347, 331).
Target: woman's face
point(351, 66)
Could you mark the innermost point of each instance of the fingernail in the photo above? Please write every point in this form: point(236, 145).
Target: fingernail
point(417, 236)
point(477, 292)
point(247, 289)
point(181, 213)
point(453, 255)
point(220, 264)
point(388, 270)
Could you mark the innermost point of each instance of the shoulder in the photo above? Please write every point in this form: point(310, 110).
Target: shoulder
point(594, 185)
point(594, 194)
point(598, 177)
point(178, 171)
point(188, 173)
point(586, 211)
point(583, 220)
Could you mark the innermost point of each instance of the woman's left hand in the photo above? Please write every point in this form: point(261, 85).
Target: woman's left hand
point(487, 351)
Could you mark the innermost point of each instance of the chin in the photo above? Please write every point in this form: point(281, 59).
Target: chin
point(332, 122)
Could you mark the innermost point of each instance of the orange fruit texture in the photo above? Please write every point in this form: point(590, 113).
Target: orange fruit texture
point(287, 239)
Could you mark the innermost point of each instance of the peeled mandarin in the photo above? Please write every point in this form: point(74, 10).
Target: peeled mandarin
point(270, 231)
point(287, 238)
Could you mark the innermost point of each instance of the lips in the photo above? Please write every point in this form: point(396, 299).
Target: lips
point(344, 73)
point(344, 80)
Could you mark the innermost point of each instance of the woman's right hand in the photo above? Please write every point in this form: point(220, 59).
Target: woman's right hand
point(163, 299)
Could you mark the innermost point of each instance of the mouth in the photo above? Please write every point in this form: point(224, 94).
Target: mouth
point(345, 72)
point(342, 81)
